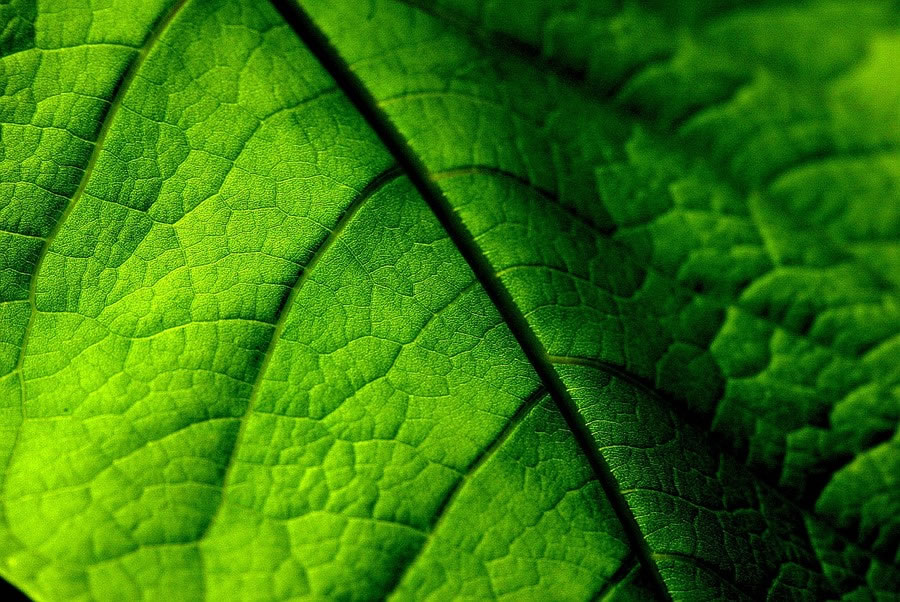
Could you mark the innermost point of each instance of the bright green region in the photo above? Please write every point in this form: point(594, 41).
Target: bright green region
point(246, 355)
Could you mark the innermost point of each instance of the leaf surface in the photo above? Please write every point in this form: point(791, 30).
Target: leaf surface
point(454, 300)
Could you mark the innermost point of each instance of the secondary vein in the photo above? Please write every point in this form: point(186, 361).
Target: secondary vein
point(114, 105)
point(528, 404)
point(376, 184)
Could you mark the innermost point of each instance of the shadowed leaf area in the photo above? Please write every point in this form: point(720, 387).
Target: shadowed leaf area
point(453, 299)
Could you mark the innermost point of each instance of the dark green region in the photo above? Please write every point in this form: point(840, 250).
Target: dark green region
point(17, 19)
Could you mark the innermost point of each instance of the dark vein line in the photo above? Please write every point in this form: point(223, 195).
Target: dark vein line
point(613, 370)
point(704, 565)
point(367, 106)
point(660, 397)
point(626, 571)
point(528, 404)
point(282, 313)
point(118, 96)
point(718, 301)
point(721, 301)
point(469, 170)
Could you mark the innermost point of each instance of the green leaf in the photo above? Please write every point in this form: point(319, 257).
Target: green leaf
point(543, 300)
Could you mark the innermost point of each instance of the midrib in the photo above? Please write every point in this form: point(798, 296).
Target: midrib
point(452, 224)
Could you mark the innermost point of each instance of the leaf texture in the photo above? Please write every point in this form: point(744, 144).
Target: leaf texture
point(544, 300)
